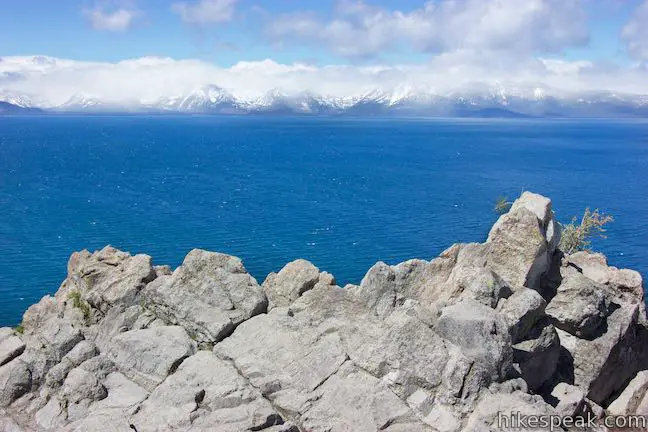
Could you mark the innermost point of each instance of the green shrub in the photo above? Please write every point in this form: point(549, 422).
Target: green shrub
point(20, 329)
point(577, 237)
point(79, 303)
point(502, 205)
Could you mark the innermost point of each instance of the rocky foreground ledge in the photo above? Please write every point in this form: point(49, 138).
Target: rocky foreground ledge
point(509, 325)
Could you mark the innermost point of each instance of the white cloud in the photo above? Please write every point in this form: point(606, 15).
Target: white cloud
point(205, 11)
point(111, 19)
point(635, 33)
point(359, 29)
point(54, 81)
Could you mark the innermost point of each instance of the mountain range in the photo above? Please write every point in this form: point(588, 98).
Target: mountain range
point(472, 101)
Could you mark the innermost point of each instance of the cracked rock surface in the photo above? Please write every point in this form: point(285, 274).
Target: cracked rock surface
point(511, 324)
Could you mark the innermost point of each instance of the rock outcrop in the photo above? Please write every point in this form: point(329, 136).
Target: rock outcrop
point(451, 344)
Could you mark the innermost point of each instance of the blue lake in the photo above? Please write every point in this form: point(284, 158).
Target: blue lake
point(343, 193)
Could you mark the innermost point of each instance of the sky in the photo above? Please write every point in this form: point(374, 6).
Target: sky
point(330, 46)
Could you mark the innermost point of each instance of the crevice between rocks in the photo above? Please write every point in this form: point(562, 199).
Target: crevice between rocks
point(282, 413)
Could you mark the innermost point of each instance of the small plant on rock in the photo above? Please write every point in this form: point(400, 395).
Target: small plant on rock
point(502, 205)
point(20, 329)
point(79, 303)
point(578, 236)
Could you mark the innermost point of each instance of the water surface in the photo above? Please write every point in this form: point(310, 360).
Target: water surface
point(342, 193)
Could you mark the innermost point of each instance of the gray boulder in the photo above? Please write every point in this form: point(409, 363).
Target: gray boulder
point(480, 332)
point(15, 381)
point(523, 241)
point(570, 400)
point(80, 385)
point(123, 396)
point(107, 278)
point(498, 411)
point(580, 306)
point(537, 356)
point(518, 250)
point(459, 273)
point(11, 346)
point(632, 396)
point(148, 356)
point(83, 351)
point(541, 207)
point(209, 295)
point(522, 311)
point(356, 401)
point(595, 267)
point(51, 416)
point(292, 281)
point(205, 393)
point(7, 424)
point(601, 366)
point(118, 319)
point(285, 359)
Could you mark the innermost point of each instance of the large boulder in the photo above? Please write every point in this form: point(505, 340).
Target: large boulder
point(518, 250)
point(83, 351)
point(205, 393)
point(11, 346)
point(541, 207)
point(481, 333)
point(292, 281)
point(284, 358)
point(107, 277)
point(353, 400)
point(7, 424)
point(536, 347)
point(79, 390)
point(602, 330)
point(297, 355)
point(538, 354)
point(15, 381)
point(502, 410)
point(570, 400)
point(595, 267)
point(209, 295)
point(458, 273)
point(148, 356)
point(522, 241)
point(603, 365)
point(580, 306)
point(522, 311)
point(416, 363)
point(124, 396)
point(48, 336)
point(632, 396)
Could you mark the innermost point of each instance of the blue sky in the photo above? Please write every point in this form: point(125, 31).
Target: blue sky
point(65, 29)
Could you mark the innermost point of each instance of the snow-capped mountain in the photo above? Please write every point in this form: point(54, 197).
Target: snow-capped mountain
point(9, 108)
point(81, 103)
point(477, 99)
point(208, 99)
point(17, 99)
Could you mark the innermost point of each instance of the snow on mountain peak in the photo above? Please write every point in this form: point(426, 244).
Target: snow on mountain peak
point(406, 98)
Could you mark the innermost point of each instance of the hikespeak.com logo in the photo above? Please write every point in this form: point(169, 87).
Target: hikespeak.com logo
point(551, 422)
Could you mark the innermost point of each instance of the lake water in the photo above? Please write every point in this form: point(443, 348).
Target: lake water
point(342, 193)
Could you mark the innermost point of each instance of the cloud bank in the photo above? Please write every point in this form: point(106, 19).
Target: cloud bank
point(358, 29)
point(506, 46)
point(54, 81)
